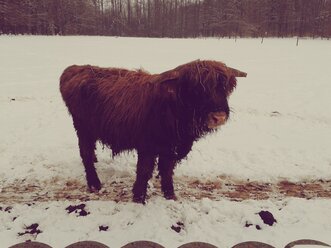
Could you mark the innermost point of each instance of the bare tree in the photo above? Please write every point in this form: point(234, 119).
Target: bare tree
point(167, 18)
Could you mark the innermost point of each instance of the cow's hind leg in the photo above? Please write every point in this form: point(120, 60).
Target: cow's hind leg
point(145, 167)
point(87, 152)
point(166, 167)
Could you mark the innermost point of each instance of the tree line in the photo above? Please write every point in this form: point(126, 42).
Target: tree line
point(167, 18)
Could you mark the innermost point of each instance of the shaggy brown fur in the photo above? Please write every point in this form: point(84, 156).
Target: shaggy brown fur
point(159, 115)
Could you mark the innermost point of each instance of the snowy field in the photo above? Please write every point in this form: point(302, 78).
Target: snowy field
point(280, 130)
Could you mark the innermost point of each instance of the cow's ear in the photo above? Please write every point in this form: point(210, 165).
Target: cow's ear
point(169, 81)
point(232, 82)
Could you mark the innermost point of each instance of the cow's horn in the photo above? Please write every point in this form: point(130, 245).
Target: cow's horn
point(237, 73)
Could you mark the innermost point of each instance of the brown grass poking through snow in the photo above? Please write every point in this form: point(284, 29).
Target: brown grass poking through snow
point(190, 189)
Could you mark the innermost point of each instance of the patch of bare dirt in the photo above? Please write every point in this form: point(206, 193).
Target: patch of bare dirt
point(189, 188)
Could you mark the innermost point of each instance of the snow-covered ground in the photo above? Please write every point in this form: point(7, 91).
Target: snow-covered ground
point(280, 130)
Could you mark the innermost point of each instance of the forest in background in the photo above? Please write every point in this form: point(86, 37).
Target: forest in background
point(167, 18)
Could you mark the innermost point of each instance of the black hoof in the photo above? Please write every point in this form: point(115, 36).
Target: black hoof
point(139, 199)
point(94, 189)
point(170, 196)
point(94, 185)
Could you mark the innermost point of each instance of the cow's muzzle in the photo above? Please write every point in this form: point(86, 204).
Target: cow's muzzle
point(216, 119)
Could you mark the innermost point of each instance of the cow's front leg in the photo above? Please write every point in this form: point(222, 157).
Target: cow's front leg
point(166, 167)
point(145, 167)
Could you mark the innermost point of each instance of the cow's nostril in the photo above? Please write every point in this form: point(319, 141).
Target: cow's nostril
point(220, 115)
point(215, 119)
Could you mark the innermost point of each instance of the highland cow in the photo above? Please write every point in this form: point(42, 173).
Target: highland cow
point(158, 115)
